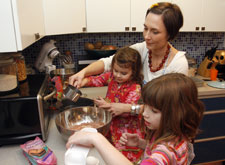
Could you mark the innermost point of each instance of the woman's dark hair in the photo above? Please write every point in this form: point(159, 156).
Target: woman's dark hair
point(127, 57)
point(172, 17)
point(176, 96)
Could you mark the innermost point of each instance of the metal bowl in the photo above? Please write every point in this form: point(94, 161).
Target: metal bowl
point(66, 120)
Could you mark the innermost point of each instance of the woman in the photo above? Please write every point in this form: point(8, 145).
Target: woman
point(159, 57)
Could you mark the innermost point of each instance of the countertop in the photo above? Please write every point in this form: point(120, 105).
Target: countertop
point(204, 91)
point(13, 155)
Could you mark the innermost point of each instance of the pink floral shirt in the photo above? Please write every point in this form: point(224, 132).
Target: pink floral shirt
point(129, 92)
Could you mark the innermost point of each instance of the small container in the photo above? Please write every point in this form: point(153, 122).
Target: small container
point(8, 74)
point(72, 93)
point(21, 67)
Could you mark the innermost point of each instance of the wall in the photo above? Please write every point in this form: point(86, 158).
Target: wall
point(194, 43)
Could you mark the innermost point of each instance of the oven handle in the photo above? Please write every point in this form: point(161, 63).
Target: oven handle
point(51, 94)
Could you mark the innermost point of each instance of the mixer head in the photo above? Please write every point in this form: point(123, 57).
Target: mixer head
point(47, 54)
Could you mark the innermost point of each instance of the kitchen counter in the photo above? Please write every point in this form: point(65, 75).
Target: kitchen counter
point(209, 92)
point(204, 91)
point(13, 155)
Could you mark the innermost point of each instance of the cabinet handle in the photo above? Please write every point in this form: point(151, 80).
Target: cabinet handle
point(37, 36)
point(127, 28)
point(197, 28)
point(203, 28)
point(133, 28)
point(84, 29)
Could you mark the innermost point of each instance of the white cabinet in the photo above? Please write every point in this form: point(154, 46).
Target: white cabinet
point(117, 15)
point(138, 12)
point(22, 23)
point(64, 17)
point(108, 15)
point(202, 15)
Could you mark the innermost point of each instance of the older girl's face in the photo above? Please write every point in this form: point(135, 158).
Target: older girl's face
point(152, 117)
point(155, 33)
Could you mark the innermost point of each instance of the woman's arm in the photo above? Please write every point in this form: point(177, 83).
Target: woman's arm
point(108, 152)
point(94, 68)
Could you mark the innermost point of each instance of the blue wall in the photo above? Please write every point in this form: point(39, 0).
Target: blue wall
point(194, 43)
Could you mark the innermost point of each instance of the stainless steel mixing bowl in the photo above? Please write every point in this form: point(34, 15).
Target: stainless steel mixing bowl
point(75, 116)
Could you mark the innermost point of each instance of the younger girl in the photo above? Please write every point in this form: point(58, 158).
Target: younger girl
point(123, 87)
point(172, 114)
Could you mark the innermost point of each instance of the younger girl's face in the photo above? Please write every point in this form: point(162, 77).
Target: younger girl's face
point(152, 117)
point(121, 75)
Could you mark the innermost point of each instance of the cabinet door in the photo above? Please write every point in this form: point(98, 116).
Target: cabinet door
point(138, 12)
point(213, 15)
point(28, 21)
point(192, 13)
point(64, 17)
point(7, 31)
point(22, 23)
point(108, 15)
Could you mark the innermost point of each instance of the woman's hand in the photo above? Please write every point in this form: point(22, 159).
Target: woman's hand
point(76, 79)
point(129, 139)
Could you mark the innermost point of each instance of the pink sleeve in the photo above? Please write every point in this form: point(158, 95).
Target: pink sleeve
point(99, 81)
point(166, 154)
point(134, 94)
point(159, 155)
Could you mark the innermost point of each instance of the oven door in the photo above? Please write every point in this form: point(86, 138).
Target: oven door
point(19, 120)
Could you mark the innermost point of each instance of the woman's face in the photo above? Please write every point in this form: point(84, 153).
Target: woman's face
point(120, 74)
point(152, 117)
point(155, 33)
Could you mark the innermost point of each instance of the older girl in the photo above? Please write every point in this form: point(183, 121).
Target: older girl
point(172, 114)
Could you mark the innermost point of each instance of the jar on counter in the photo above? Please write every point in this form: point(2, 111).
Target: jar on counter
point(8, 74)
point(21, 67)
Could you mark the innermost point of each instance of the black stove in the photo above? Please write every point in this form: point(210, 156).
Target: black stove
point(24, 112)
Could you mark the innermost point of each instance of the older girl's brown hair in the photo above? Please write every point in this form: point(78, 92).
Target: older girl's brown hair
point(172, 17)
point(176, 96)
point(127, 57)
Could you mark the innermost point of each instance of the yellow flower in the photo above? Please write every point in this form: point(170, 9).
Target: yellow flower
point(154, 5)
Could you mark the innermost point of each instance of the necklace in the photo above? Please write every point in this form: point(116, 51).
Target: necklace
point(163, 60)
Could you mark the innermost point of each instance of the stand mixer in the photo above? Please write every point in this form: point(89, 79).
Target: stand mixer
point(46, 56)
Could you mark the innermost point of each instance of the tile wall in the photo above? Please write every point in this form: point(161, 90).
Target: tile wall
point(194, 43)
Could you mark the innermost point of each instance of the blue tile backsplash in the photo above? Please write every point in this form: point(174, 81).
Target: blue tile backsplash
point(194, 43)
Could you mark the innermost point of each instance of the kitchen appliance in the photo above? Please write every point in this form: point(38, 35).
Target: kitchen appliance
point(46, 56)
point(25, 114)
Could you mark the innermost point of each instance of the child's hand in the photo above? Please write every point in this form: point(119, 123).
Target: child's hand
point(129, 139)
point(82, 138)
point(100, 102)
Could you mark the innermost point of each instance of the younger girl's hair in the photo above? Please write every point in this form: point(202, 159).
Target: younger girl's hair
point(127, 57)
point(176, 96)
point(171, 15)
